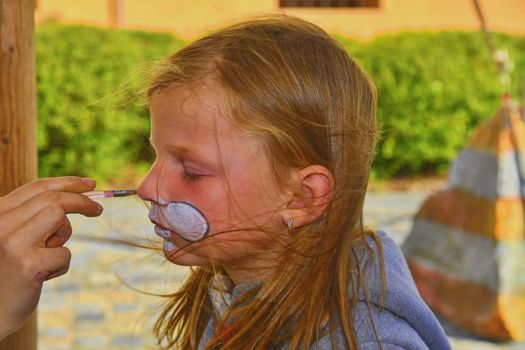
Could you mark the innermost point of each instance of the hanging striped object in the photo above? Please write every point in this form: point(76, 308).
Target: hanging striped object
point(466, 249)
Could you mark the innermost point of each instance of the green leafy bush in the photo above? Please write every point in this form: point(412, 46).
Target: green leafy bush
point(434, 89)
point(87, 123)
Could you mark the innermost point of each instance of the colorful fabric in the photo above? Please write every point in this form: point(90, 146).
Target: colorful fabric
point(466, 249)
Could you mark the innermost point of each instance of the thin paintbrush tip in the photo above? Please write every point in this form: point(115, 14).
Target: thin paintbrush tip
point(123, 193)
point(101, 194)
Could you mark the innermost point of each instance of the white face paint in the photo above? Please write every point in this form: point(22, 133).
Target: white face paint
point(179, 217)
point(187, 220)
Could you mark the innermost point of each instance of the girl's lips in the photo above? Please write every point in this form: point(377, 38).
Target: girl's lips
point(165, 233)
point(162, 231)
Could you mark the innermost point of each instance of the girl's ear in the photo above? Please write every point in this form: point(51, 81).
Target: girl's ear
point(314, 185)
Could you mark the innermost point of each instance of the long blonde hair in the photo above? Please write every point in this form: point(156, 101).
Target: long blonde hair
point(291, 84)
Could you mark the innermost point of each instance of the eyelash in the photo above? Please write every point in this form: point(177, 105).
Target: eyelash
point(189, 176)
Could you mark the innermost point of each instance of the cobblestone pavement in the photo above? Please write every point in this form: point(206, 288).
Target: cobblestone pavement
point(95, 305)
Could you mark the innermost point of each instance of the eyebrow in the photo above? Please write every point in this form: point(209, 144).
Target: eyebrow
point(178, 149)
point(189, 154)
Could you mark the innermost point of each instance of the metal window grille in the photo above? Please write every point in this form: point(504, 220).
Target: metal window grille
point(329, 3)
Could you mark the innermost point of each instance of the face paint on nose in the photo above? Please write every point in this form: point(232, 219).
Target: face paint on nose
point(187, 220)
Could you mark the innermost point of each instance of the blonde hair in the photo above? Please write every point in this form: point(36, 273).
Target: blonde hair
point(291, 84)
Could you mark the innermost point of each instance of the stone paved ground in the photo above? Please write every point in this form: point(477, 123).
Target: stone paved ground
point(92, 308)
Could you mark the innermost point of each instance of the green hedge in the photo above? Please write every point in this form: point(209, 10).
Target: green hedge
point(89, 122)
point(434, 88)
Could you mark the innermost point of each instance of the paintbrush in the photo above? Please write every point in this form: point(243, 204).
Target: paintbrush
point(100, 194)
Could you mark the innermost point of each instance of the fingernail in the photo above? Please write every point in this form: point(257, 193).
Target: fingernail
point(88, 181)
point(100, 208)
point(62, 232)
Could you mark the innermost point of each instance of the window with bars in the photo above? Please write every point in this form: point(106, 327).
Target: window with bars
point(329, 3)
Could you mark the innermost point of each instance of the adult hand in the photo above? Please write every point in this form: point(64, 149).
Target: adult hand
point(33, 230)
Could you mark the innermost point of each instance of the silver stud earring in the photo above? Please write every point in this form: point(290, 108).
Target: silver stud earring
point(290, 223)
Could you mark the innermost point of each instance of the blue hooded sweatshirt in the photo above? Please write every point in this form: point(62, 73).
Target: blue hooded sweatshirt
point(403, 322)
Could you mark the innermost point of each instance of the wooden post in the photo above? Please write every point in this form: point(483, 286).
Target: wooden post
point(18, 156)
point(116, 16)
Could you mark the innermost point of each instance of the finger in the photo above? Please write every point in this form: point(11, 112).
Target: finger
point(54, 262)
point(16, 218)
point(64, 184)
point(61, 235)
point(62, 271)
point(38, 228)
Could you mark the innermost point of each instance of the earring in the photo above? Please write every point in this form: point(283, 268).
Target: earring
point(290, 223)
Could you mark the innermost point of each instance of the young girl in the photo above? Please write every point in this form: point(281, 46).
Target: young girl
point(264, 134)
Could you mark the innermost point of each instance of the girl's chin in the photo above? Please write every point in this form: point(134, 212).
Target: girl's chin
point(169, 247)
point(179, 256)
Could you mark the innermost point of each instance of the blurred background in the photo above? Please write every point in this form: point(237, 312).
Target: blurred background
point(428, 58)
point(436, 81)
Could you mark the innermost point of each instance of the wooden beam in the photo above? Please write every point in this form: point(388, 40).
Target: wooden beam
point(18, 154)
point(116, 15)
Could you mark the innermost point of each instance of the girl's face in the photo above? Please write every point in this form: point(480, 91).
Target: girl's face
point(204, 160)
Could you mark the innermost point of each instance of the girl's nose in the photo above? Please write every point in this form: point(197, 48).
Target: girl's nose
point(151, 187)
point(148, 186)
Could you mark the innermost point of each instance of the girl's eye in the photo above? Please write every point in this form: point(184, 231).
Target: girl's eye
point(189, 176)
